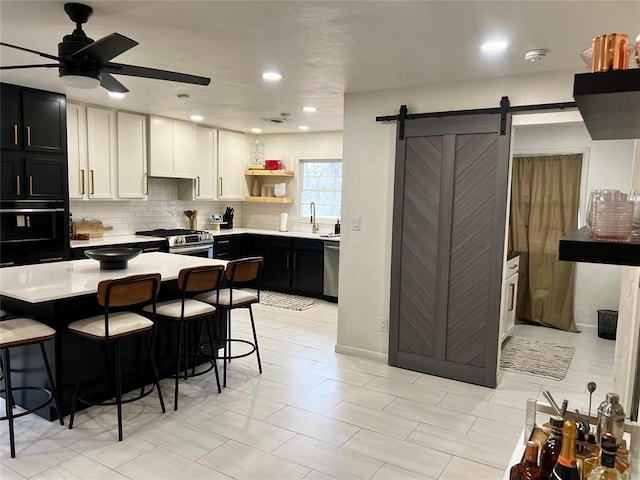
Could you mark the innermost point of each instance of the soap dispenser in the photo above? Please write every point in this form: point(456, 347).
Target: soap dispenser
point(336, 227)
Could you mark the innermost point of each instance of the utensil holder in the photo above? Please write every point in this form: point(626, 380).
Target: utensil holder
point(193, 224)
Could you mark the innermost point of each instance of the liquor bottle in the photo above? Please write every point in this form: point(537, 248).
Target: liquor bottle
point(551, 447)
point(529, 469)
point(606, 470)
point(567, 468)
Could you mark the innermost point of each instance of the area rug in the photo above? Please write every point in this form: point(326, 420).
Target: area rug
point(536, 358)
point(284, 300)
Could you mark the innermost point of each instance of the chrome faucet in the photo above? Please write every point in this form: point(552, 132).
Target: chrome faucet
point(314, 227)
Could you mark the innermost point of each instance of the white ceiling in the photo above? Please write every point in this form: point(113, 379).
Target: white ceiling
point(323, 49)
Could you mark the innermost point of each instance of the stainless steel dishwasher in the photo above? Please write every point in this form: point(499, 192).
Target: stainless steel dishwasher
point(331, 268)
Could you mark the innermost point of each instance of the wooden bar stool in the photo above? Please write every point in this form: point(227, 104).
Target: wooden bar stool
point(185, 310)
point(20, 332)
point(242, 271)
point(112, 327)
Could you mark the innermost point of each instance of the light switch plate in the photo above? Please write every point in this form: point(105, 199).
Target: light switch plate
point(355, 223)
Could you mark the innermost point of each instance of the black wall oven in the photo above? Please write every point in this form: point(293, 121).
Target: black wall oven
point(33, 225)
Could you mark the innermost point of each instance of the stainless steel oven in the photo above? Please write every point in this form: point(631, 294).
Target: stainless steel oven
point(29, 225)
point(195, 243)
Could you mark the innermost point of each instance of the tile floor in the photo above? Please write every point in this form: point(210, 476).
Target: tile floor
point(313, 414)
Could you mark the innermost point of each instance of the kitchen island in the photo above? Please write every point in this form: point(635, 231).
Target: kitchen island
point(60, 293)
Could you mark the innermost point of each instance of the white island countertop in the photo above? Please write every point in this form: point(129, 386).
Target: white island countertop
point(113, 240)
point(53, 281)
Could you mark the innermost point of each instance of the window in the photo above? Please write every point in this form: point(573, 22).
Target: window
point(321, 183)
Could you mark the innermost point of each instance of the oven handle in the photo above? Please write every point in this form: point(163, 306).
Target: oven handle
point(199, 248)
point(31, 210)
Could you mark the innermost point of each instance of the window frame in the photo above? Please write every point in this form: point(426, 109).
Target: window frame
point(299, 184)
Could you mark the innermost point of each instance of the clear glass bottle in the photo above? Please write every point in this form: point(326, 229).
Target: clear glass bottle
point(567, 467)
point(551, 447)
point(528, 469)
point(606, 470)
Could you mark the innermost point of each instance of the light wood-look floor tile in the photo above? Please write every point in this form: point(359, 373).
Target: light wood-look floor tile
point(375, 420)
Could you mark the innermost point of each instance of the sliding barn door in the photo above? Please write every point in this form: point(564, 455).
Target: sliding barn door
point(449, 227)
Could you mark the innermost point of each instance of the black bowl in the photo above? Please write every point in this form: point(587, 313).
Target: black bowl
point(113, 258)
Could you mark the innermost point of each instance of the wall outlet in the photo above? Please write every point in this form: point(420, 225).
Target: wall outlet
point(355, 223)
point(383, 325)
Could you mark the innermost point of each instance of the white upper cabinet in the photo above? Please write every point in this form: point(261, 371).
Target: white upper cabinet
point(172, 148)
point(132, 156)
point(101, 152)
point(77, 150)
point(233, 155)
point(206, 155)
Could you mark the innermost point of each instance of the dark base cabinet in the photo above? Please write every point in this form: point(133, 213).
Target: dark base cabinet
point(228, 247)
point(291, 265)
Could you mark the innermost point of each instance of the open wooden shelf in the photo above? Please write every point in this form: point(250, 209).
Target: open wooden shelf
point(580, 247)
point(269, 199)
point(269, 173)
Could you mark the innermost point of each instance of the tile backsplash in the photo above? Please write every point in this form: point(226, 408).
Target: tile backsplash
point(163, 209)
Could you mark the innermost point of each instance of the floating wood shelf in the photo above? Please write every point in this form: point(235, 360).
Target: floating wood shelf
point(269, 173)
point(580, 247)
point(269, 199)
point(609, 103)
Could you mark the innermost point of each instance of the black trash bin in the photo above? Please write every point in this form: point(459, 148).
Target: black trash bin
point(607, 324)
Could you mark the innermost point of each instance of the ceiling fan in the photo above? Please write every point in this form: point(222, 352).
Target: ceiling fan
point(85, 63)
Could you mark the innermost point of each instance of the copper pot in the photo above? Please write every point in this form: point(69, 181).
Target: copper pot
point(610, 52)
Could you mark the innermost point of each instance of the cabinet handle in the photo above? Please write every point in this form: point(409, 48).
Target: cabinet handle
point(295, 256)
point(7, 264)
point(513, 266)
point(50, 259)
point(30, 184)
point(29, 136)
point(512, 294)
point(17, 185)
point(287, 260)
point(82, 181)
point(198, 182)
point(151, 249)
point(15, 134)
point(220, 182)
point(146, 183)
point(222, 242)
point(93, 189)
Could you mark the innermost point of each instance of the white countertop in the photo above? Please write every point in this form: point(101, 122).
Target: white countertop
point(113, 240)
point(259, 231)
point(53, 281)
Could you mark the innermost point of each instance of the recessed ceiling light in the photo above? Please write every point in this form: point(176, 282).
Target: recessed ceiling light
point(309, 109)
point(494, 46)
point(271, 76)
point(197, 118)
point(256, 130)
point(116, 94)
point(303, 127)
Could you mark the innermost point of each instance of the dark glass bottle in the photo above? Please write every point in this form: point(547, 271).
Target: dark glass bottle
point(551, 448)
point(528, 469)
point(336, 227)
point(567, 467)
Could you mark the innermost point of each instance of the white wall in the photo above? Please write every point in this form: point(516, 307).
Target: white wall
point(368, 185)
point(609, 166)
point(291, 148)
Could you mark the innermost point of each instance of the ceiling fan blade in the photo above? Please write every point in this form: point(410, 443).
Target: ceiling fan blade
point(106, 48)
point(42, 54)
point(112, 84)
point(134, 71)
point(43, 65)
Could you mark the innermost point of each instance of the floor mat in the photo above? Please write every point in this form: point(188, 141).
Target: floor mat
point(536, 358)
point(284, 300)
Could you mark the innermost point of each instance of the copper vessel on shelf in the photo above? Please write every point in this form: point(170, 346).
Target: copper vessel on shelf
point(610, 52)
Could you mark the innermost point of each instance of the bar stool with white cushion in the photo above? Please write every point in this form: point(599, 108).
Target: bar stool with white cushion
point(20, 332)
point(111, 327)
point(185, 310)
point(242, 271)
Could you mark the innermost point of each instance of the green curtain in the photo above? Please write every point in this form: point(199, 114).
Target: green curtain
point(545, 196)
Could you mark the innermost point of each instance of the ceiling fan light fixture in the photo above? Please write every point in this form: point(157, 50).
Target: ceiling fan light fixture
point(116, 94)
point(80, 81)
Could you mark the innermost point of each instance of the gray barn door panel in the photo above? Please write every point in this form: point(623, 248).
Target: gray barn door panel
point(449, 219)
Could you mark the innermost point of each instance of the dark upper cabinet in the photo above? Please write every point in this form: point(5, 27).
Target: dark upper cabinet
point(33, 120)
point(11, 125)
point(33, 177)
